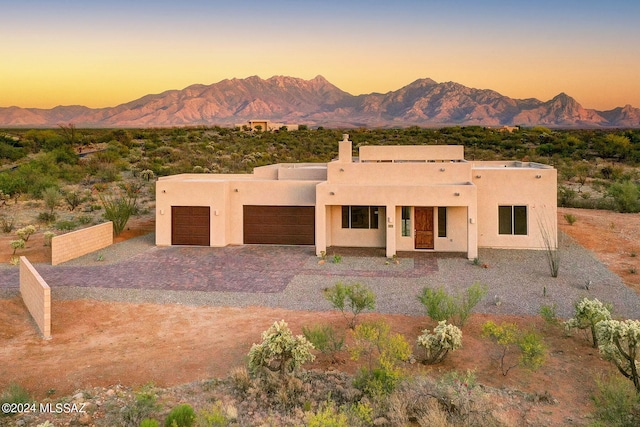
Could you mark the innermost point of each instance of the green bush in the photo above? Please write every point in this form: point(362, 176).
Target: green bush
point(147, 422)
point(47, 217)
point(549, 314)
point(382, 351)
point(118, 210)
point(180, 416)
point(133, 413)
point(616, 403)
point(354, 298)
point(324, 338)
point(440, 305)
point(215, 416)
point(626, 196)
point(66, 225)
point(328, 416)
point(570, 218)
point(14, 393)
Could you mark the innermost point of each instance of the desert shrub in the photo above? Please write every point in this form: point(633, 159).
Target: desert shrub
point(353, 298)
point(616, 403)
point(328, 416)
point(619, 342)
point(66, 225)
point(73, 199)
point(570, 218)
point(148, 422)
point(47, 217)
point(550, 241)
point(6, 224)
point(324, 338)
point(216, 415)
point(440, 305)
point(14, 393)
point(529, 345)
point(549, 313)
point(143, 406)
point(280, 351)
point(147, 175)
point(51, 197)
point(437, 345)
point(181, 416)
point(587, 315)
point(25, 232)
point(383, 351)
point(85, 219)
point(626, 196)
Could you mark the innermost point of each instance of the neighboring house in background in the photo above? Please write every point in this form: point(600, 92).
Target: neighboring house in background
point(402, 198)
point(265, 125)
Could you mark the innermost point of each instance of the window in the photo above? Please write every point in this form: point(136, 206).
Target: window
point(362, 217)
point(442, 222)
point(512, 220)
point(406, 221)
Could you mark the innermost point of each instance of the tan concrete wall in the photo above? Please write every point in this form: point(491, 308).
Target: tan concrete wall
point(81, 242)
point(365, 238)
point(36, 295)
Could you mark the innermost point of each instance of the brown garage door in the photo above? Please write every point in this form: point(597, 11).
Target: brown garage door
point(279, 225)
point(190, 225)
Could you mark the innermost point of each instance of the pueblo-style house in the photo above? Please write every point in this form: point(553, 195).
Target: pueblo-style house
point(402, 198)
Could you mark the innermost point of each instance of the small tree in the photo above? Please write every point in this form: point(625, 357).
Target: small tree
point(587, 315)
point(441, 305)
point(619, 343)
point(280, 351)
point(325, 339)
point(509, 337)
point(445, 338)
point(354, 298)
point(51, 197)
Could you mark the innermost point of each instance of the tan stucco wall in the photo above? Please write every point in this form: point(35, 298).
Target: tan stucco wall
point(81, 242)
point(515, 187)
point(411, 152)
point(36, 295)
point(406, 174)
point(371, 238)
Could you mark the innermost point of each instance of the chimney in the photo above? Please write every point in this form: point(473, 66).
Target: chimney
point(345, 149)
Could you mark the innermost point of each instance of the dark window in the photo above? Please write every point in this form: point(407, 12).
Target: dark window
point(362, 217)
point(406, 221)
point(512, 220)
point(442, 222)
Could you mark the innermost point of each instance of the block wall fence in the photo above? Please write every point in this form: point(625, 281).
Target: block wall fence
point(81, 242)
point(36, 295)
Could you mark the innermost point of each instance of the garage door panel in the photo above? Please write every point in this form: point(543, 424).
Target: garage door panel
point(281, 225)
point(190, 225)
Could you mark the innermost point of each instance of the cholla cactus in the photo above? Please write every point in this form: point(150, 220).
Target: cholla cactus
point(445, 338)
point(587, 315)
point(280, 351)
point(48, 237)
point(17, 244)
point(619, 343)
point(25, 232)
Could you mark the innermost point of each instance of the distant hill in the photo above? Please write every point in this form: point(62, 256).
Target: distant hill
point(317, 102)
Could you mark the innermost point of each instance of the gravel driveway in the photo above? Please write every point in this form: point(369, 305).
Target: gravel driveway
point(290, 277)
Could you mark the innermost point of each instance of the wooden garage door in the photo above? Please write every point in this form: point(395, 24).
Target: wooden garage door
point(279, 225)
point(190, 225)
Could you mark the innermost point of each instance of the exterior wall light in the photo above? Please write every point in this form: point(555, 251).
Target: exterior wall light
point(235, 189)
point(341, 170)
point(478, 176)
point(538, 176)
point(164, 191)
point(456, 194)
point(331, 193)
point(441, 169)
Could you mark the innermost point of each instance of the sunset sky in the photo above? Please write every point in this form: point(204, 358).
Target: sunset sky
point(104, 53)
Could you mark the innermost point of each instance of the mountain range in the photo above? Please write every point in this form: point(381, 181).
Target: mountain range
point(317, 102)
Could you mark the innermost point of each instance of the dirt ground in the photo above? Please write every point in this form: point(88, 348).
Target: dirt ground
point(101, 343)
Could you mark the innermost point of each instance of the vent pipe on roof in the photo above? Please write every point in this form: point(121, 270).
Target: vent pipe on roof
point(345, 150)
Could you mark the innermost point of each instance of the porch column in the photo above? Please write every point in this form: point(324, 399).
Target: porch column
point(321, 228)
point(390, 224)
